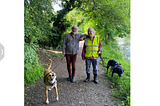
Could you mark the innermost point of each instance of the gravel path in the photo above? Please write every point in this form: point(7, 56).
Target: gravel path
point(78, 93)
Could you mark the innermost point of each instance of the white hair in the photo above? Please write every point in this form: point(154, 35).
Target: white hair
point(75, 27)
point(92, 29)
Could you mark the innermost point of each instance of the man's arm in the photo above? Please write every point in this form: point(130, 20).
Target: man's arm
point(83, 52)
point(82, 37)
point(100, 47)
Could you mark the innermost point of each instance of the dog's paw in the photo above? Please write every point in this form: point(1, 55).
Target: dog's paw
point(47, 102)
point(57, 99)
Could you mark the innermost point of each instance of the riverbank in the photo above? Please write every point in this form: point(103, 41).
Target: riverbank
point(122, 85)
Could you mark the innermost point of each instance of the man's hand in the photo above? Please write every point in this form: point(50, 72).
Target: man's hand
point(63, 53)
point(99, 53)
point(83, 37)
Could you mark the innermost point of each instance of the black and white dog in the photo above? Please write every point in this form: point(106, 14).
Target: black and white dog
point(115, 68)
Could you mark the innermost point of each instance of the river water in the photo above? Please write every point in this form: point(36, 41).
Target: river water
point(124, 44)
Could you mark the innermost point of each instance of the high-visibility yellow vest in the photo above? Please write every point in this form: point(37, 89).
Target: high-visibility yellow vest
point(91, 48)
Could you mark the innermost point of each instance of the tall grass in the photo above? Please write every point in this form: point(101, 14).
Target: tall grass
point(122, 85)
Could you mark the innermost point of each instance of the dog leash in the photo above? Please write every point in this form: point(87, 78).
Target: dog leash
point(58, 63)
point(103, 60)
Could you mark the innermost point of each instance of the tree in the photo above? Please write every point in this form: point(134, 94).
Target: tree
point(60, 23)
point(110, 18)
point(37, 21)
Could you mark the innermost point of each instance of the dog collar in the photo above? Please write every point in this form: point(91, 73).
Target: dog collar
point(50, 84)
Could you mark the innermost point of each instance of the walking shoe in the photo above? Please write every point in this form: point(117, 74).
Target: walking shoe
point(73, 79)
point(88, 78)
point(95, 79)
point(69, 78)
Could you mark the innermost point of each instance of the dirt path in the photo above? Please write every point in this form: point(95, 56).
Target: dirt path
point(71, 94)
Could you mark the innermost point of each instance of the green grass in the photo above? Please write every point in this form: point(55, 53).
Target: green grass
point(32, 73)
point(58, 55)
point(121, 86)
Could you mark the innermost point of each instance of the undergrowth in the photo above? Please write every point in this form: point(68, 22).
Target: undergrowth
point(121, 86)
point(32, 70)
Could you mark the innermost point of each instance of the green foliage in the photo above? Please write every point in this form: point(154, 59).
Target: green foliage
point(122, 85)
point(109, 18)
point(61, 22)
point(42, 26)
point(32, 70)
point(37, 22)
point(30, 56)
point(58, 55)
point(32, 73)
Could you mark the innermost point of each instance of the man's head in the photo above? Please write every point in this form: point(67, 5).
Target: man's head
point(74, 29)
point(91, 32)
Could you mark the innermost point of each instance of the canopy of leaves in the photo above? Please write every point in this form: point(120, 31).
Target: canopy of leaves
point(109, 18)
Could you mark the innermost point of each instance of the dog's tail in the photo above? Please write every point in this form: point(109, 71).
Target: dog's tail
point(50, 64)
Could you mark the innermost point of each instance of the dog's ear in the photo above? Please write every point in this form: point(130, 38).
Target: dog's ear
point(52, 72)
point(47, 77)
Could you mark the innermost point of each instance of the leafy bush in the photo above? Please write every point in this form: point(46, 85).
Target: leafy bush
point(32, 73)
point(122, 85)
point(32, 70)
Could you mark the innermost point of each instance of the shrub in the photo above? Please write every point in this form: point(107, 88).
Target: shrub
point(32, 70)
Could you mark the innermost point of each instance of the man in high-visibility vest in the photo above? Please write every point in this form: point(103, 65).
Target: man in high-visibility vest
point(91, 50)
